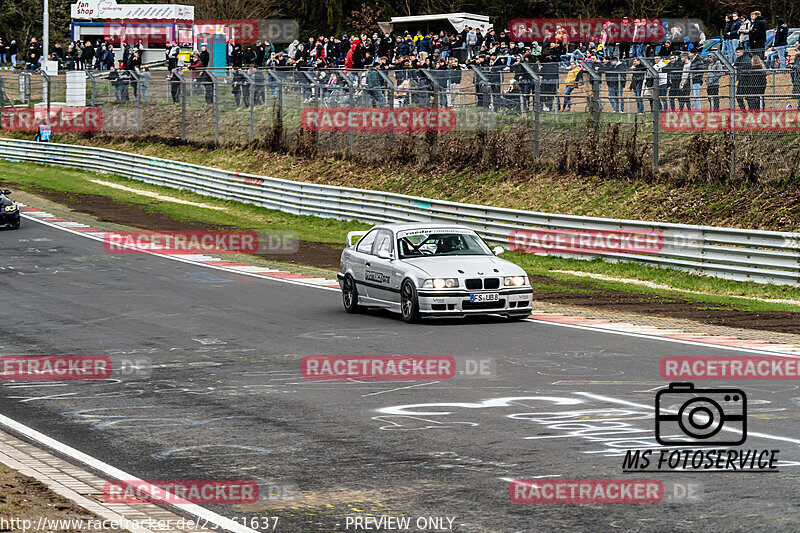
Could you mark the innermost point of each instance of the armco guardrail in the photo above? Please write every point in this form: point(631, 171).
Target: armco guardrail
point(740, 254)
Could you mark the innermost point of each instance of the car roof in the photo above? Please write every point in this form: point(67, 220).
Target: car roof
point(420, 225)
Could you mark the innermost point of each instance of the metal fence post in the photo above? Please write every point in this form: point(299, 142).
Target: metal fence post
point(92, 82)
point(351, 89)
point(595, 97)
point(135, 78)
point(537, 100)
point(46, 93)
point(655, 105)
point(215, 91)
point(484, 88)
point(435, 85)
point(732, 99)
point(280, 110)
point(252, 92)
point(389, 97)
point(316, 88)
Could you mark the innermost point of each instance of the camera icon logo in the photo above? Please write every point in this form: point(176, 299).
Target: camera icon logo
point(701, 416)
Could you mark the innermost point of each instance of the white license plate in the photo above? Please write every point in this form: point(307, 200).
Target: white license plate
point(486, 297)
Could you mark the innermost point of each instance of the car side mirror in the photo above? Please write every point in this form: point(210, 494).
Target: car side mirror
point(497, 250)
point(384, 254)
point(6, 191)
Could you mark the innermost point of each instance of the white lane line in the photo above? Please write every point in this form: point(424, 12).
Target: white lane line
point(399, 388)
point(190, 262)
point(674, 411)
point(659, 338)
point(115, 473)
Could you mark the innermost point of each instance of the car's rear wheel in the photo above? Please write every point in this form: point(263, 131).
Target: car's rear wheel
point(350, 295)
point(409, 303)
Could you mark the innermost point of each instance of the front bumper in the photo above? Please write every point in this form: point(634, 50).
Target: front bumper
point(9, 219)
point(455, 303)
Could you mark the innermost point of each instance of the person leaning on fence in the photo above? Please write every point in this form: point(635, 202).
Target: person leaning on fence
point(637, 83)
point(685, 83)
point(758, 83)
point(574, 74)
point(144, 81)
point(175, 86)
point(615, 79)
point(123, 82)
point(208, 86)
point(240, 88)
point(375, 87)
point(259, 86)
point(742, 66)
point(662, 81)
point(712, 81)
point(113, 79)
point(674, 71)
point(697, 66)
point(195, 67)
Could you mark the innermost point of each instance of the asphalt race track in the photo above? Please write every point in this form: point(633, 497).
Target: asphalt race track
point(225, 400)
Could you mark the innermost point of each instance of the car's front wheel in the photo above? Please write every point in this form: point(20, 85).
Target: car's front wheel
point(409, 303)
point(350, 295)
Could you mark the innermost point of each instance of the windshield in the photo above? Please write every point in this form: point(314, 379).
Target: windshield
point(440, 243)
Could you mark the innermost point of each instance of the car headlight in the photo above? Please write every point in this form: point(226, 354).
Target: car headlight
point(440, 283)
point(11, 208)
point(515, 281)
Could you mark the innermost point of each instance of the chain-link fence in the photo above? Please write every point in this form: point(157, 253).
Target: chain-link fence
point(635, 117)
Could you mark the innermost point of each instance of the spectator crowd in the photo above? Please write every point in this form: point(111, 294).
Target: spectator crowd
point(423, 64)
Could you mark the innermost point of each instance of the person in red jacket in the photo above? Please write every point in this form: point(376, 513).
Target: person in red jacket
point(348, 60)
point(196, 67)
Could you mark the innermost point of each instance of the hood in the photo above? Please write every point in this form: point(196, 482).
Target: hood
point(470, 265)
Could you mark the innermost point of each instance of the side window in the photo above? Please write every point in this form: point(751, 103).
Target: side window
point(383, 242)
point(365, 244)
